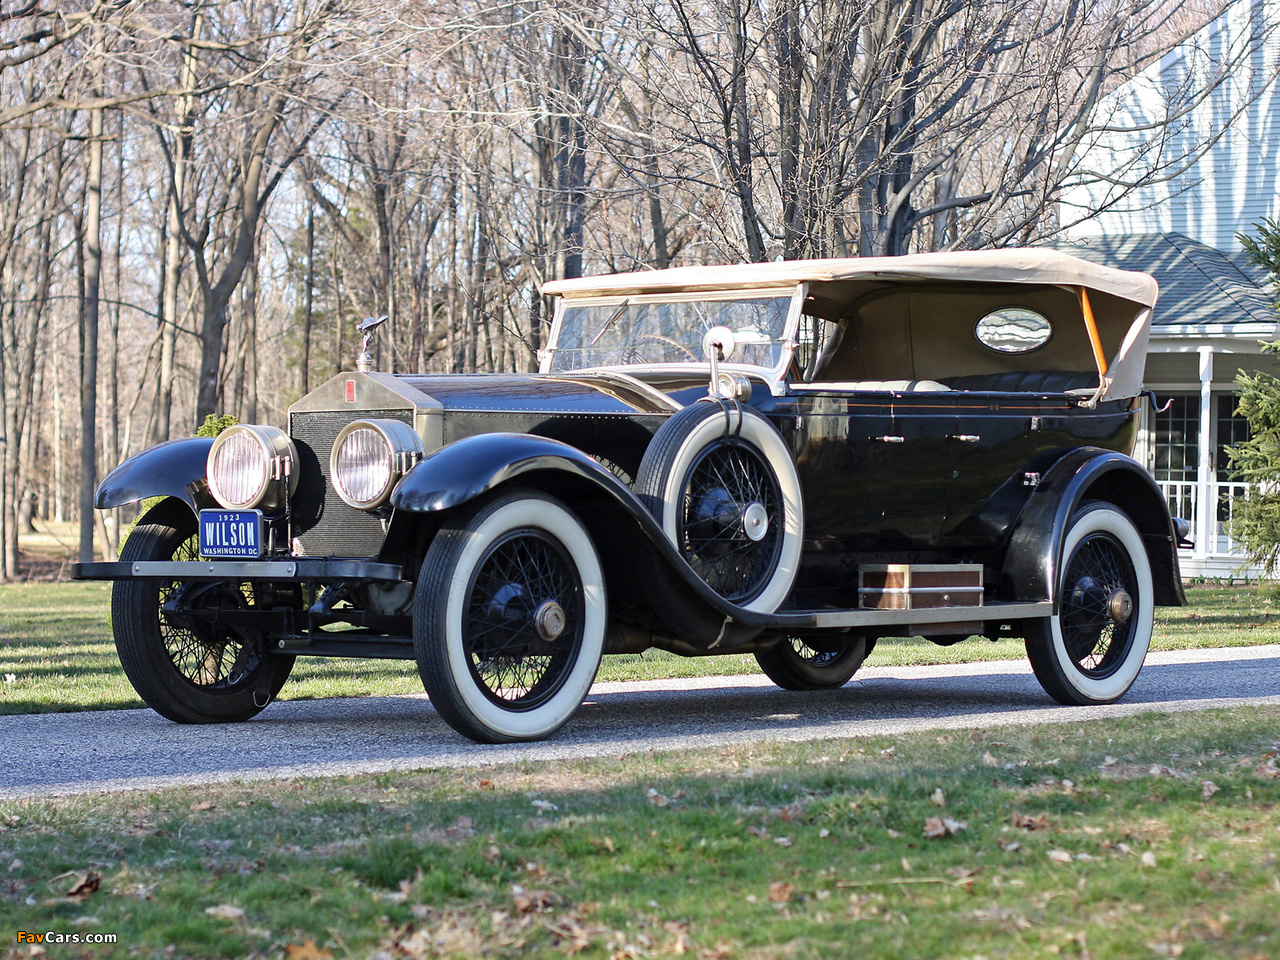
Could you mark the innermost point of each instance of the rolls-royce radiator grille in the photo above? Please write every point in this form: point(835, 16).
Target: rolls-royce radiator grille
point(323, 525)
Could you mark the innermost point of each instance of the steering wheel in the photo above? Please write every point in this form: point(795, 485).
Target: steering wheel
point(662, 338)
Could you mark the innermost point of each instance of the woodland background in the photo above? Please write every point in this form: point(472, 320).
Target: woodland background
point(198, 200)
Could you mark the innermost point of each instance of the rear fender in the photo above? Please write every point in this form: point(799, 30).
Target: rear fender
point(1090, 473)
point(175, 468)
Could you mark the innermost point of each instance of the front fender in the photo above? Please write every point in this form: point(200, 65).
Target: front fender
point(1090, 473)
point(471, 467)
point(175, 468)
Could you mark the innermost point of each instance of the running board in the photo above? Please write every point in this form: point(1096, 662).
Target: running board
point(997, 612)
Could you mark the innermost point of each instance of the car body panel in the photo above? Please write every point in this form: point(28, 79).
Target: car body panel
point(175, 468)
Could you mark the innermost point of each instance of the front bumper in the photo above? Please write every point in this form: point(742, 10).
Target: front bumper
point(277, 571)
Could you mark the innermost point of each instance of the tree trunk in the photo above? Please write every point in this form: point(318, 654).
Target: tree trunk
point(89, 337)
point(176, 208)
point(304, 371)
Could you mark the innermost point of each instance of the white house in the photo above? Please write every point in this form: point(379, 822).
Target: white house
point(1219, 175)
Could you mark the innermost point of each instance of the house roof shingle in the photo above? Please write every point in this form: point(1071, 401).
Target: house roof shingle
point(1199, 284)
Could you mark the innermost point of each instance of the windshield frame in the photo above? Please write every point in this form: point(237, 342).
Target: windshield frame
point(775, 376)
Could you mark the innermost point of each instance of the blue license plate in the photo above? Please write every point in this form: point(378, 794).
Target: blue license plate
point(231, 533)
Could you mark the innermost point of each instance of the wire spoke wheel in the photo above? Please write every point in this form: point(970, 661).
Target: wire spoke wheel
point(728, 486)
point(721, 482)
point(1101, 588)
point(1091, 649)
point(819, 661)
point(182, 645)
point(205, 652)
point(509, 618)
point(525, 581)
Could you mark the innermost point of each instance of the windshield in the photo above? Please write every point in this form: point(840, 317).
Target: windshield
point(616, 334)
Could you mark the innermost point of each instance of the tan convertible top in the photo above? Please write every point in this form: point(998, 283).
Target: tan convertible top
point(1031, 265)
point(933, 338)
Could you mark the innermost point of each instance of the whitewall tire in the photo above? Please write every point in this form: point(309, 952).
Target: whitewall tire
point(1091, 649)
point(509, 618)
point(720, 480)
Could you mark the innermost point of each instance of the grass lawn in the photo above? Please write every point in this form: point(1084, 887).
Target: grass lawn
point(1154, 836)
point(56, 651)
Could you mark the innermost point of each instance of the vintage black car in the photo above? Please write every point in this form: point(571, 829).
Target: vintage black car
point(790, 459)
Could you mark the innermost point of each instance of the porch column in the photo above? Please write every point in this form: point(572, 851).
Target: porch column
point(1207, 506)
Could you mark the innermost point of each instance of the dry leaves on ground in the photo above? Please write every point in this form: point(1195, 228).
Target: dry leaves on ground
point(307, 950)
point(781, 892)
point(935, 828)
point(1023, 822)
point(85, 884)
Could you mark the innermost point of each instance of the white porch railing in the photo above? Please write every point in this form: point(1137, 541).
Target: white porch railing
point(1184, 499)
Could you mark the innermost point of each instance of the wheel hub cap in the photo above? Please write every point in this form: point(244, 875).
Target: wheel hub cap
point(755, 522)
point(549, 620)
point(1121, 606)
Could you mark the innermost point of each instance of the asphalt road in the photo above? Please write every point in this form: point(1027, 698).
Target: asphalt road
point(70, 753)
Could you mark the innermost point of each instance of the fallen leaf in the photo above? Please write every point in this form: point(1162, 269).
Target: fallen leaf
point(1217, 927)
point(954, 826)
point(1268, 770)
point(824, 833)
point(1148, 859)
point(225, 911)
point(781, 892)
point(657, 799)
point(1060, 856)
point(307, 950)
point(1010, 846)
point(989, 760)
point(202, 805)
point(530, 901)
point(1109, 762)
point(486, 784)
point(545, 805)
point(1208, 788)
point(86, 885)
point(933, 829)
point(1024, 822)
point(782, 841)
point(939, 798)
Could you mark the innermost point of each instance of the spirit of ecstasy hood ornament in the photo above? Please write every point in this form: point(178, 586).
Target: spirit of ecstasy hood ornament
point(368, 326)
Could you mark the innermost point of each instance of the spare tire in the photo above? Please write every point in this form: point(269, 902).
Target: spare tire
point(720, 480)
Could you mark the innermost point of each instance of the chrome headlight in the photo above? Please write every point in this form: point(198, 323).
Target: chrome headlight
point(369, 457)
point(252, 466)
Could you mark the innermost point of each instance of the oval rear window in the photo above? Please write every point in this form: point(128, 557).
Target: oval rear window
point(1013, 330)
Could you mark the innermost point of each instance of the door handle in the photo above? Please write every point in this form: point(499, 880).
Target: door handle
point(890, 439)
point(964, 437)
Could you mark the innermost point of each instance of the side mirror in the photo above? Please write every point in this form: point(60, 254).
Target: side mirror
point(718, 344)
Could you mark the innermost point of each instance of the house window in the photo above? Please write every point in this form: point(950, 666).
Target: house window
point(1177, 439)
point(1231, 429)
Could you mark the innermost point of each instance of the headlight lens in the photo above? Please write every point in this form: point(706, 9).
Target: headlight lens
point(252, 466)
point(369, 457)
